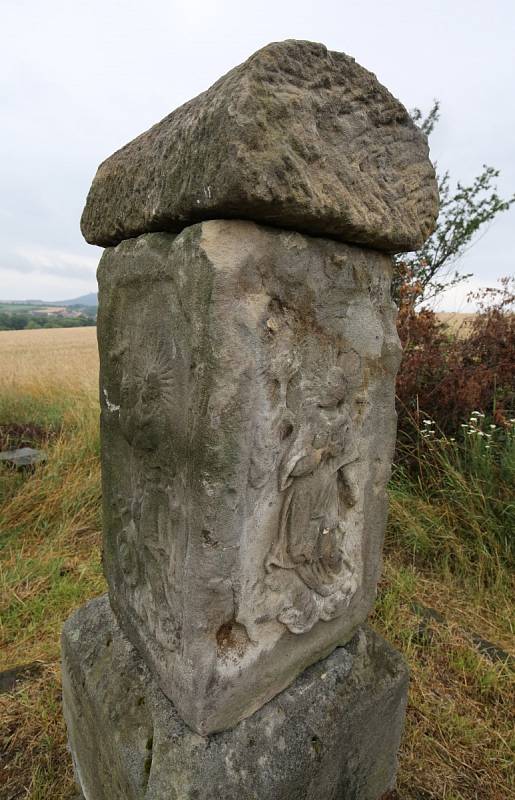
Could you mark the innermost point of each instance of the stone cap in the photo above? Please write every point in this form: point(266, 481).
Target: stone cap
point(298, 137)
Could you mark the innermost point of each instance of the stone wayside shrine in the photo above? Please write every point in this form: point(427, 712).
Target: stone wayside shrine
point(248, 354)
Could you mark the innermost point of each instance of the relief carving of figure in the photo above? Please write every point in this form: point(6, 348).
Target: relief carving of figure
point(315, 476)
point(151, 511)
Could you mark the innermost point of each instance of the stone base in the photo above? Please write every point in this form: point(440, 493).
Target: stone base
point(332, 735)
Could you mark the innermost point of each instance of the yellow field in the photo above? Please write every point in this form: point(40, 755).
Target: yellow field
point(457, 322)
point(53, 356)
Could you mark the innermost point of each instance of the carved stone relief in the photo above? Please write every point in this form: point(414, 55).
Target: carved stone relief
point(150, 512)
point(247, 429)
point(317, 490)
point(247, 388)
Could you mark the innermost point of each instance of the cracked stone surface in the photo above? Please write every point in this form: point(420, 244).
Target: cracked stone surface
point(298, 137)
point(333, 734)
point(248, 425)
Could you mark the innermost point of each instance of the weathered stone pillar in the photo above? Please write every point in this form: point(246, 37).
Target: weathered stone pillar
point(248, 424)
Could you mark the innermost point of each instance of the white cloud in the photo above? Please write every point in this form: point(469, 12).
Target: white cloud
point(32, 258)
point(457, 298)
point(42, 286)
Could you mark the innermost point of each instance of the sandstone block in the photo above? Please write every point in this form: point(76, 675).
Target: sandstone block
point(333, 734)
point(298, 137)
point(248, 424)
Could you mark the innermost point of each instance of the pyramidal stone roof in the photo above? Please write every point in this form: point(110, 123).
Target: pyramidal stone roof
point(297, 137)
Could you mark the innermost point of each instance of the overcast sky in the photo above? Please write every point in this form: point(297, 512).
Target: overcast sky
point(80, 78)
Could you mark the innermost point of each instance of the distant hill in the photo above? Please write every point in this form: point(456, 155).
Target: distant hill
point(90, 299)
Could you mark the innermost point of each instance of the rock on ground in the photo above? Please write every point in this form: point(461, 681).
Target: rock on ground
point(23, 457)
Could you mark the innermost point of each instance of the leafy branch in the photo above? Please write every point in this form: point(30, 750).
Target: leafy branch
point(464, 211)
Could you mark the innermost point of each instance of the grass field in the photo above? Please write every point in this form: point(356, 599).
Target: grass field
point(446, 589)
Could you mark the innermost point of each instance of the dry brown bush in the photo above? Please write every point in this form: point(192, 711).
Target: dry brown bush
point(446, 376)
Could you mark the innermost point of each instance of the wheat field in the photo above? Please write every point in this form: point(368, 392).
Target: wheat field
point(458, 322)
point(48, 358)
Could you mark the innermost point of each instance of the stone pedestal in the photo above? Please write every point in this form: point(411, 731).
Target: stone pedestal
point(332, 735)
point(248, 353)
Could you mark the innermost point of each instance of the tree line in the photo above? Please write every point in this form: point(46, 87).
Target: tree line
point(25, 320)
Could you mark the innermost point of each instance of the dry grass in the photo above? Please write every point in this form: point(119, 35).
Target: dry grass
point(459, 737)
point(459, 733)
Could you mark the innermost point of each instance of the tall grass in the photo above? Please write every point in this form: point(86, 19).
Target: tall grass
point(45, 517)
point(452, 501)
point(448, 583)
point(50, 560)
